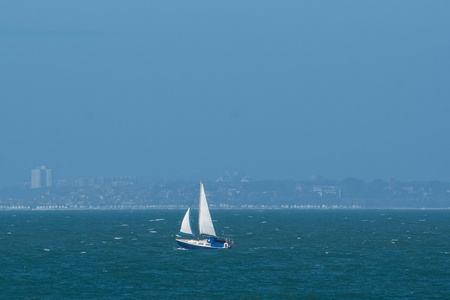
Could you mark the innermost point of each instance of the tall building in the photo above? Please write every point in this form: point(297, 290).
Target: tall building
point(41, 177)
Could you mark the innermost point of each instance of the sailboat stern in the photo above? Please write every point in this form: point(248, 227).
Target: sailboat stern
point(219, 243)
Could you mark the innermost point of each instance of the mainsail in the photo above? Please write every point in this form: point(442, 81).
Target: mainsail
point(205, 224)
point(186, 224)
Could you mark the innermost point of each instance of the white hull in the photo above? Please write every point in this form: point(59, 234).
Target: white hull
point(202, 244)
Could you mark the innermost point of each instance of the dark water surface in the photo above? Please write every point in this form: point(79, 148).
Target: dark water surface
point(282, 254)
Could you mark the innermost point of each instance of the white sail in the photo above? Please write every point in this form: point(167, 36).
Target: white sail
point(186, 224)
point(205, 223)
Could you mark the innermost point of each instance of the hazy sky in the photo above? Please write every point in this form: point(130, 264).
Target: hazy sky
point(189, 89)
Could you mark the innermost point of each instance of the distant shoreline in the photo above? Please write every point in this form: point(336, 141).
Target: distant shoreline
point(219, 208)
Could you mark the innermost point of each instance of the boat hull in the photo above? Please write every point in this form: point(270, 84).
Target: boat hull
point(202, 244)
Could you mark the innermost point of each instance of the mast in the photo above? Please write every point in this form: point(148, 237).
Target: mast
point(205, 225)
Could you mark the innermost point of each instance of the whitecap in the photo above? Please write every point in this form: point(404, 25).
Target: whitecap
point(124, 225)
point(156, 220)
point(118, 238)
point(46, 249)
point(83, 252)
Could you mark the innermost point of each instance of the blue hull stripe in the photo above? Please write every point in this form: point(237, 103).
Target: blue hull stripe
point(191, 246)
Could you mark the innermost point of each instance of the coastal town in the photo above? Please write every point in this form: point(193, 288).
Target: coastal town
point(233, 190)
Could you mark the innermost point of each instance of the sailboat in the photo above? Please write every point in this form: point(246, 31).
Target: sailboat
point(207, 238)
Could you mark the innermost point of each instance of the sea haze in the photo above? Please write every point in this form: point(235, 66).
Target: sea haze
point(186, 90)
point(314, 254)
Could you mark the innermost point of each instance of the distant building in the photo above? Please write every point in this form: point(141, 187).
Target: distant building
point(233, 176)
point(41, 177)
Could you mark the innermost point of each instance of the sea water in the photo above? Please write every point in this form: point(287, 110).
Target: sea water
point(281, 254)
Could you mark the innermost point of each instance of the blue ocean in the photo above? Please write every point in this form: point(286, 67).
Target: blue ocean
point(279, 254)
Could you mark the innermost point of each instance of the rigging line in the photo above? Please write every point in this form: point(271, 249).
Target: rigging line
point(193, 200)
